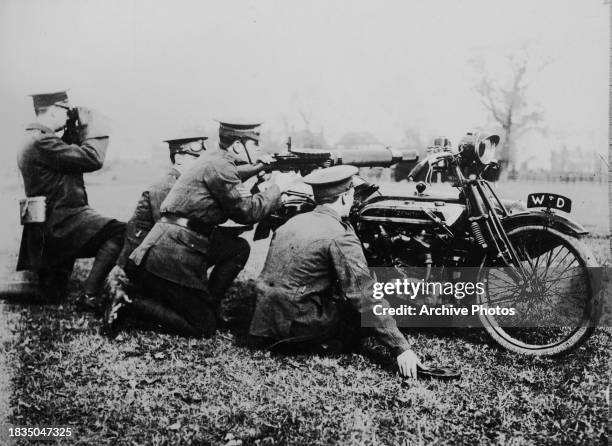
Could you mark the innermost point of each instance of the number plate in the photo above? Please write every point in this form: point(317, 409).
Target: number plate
point(547, 200)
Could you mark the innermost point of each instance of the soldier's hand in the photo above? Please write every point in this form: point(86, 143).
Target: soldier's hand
point(93, 124)
point(265, 158)
point(407, 363)
point(85, 115)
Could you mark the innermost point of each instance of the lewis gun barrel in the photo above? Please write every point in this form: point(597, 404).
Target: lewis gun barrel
point(306, 160)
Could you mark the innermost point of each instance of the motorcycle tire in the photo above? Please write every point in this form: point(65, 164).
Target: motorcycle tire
point(513, 338)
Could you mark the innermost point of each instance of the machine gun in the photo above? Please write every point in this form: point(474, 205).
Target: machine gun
point(305, 160)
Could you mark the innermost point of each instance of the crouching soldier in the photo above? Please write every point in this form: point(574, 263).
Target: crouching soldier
point(169, 267)
point(52, 167)
point(316, 283)
point(183, 152)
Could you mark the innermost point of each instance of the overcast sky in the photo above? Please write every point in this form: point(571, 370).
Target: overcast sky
point(159, 68)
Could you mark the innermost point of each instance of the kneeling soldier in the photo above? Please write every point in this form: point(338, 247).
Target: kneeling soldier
point(169, 267)
point(183, 153)
point(53, 167)
point(316, 282)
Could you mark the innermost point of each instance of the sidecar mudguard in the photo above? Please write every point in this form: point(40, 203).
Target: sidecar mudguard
point(543, 218)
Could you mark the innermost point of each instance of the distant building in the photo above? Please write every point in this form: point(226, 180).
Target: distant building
point(577, 164)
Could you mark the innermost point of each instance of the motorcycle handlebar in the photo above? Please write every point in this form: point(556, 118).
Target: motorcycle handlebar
point(417, 169)
point(430, 161)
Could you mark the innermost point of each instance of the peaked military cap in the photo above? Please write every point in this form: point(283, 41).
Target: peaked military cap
point(177, 145)
point(238, 128)
point(47, 99)
point(331, 181)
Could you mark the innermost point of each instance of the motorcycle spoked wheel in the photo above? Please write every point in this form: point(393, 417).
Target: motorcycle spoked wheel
point(561, 305)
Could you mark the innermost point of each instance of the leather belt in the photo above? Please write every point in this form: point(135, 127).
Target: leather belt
point(194, 224)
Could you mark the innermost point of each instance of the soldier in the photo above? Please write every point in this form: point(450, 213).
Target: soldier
point(183, 153)
point(169, 267)
point(53, 167)
point(316, 283)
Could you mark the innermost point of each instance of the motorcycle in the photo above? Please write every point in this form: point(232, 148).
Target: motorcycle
point(533, 261)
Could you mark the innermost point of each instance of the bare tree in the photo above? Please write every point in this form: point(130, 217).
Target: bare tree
point(508, 105)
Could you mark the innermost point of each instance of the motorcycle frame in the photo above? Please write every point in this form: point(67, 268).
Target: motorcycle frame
point(482, 210)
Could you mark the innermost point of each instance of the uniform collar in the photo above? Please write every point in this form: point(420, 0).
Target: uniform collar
point(322, 209)
point(38, 126)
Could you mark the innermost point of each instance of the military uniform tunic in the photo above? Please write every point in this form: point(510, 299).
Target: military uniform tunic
point(210, 193)
point(146, 214)
point(53, 168)
point(315, 266)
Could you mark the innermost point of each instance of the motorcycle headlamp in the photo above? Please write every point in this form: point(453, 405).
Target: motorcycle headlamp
point(479, 148)
point(486, 150)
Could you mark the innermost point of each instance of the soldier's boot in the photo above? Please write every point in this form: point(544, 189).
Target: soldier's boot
point(89, 302)
point(106, 257)
point(125, 302)
point(164, 318)
point(119, 309)
point(228, 265)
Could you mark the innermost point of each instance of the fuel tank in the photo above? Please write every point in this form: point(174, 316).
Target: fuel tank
point(412, 211)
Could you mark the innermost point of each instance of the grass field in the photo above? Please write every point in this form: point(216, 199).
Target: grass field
point(151, 388)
